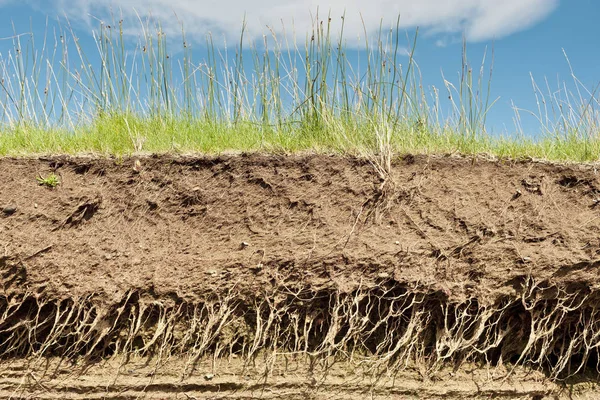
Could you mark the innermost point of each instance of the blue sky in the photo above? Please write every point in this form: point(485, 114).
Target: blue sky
point(528, 36)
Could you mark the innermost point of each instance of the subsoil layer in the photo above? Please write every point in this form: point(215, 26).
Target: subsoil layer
point(306, 276)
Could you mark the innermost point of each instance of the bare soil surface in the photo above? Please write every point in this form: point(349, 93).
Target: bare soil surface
point(308, 276)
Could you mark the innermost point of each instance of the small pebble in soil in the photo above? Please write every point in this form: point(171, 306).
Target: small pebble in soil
point(9, 210)
point(208, 377)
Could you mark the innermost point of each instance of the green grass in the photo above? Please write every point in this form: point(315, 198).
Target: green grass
point(279, 96)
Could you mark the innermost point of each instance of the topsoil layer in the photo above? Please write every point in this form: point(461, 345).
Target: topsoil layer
point(445, 262)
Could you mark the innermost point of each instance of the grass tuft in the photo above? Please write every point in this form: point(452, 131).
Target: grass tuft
point(50, 181)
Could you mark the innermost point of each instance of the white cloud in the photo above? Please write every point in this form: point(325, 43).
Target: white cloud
point(479, 19)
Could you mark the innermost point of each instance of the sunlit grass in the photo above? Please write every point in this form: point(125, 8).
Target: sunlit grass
point(279, 96)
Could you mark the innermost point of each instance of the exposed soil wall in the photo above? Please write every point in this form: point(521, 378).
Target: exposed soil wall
point(255, 262)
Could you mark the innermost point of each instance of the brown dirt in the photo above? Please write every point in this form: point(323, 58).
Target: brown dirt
point(299, 277)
